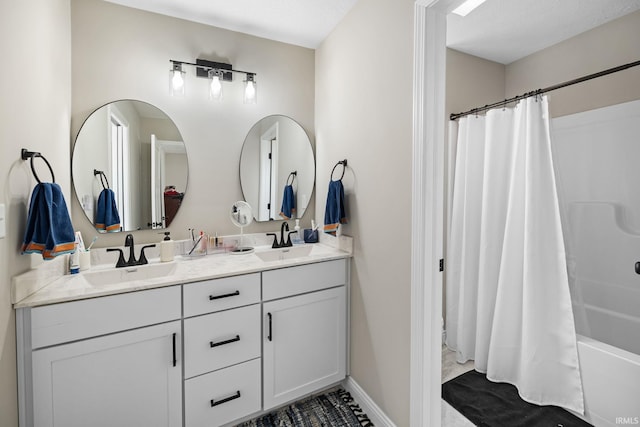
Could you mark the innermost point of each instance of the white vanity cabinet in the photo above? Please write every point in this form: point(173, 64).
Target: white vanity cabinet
point(305, 327)
point(222, 350)
point(205, 353)
point(111, 361)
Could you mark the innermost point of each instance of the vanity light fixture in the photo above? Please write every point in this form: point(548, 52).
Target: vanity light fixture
point(250, 89)
point(217, 73)
point(465, 8)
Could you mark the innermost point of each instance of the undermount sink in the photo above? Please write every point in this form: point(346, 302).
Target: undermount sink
point(129, 274)
point(282, 254)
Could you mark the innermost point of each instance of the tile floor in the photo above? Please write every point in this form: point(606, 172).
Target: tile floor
point(450, 370)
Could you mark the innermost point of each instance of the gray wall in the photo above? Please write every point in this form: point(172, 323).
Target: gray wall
point(119, 52)
point(607, 46)
point(35, 109)
point(472, 81)
point(364, 93)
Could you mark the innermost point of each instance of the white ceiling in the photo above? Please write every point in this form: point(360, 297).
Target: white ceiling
point(499, 30)
point(300, 22)
point(507, 30)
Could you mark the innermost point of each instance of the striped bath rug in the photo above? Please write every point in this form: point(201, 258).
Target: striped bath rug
point(335, 408)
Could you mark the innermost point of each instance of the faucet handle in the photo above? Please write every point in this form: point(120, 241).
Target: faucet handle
point(143, 259)
point(121, 262)
point(289, 244)
point(275, 244)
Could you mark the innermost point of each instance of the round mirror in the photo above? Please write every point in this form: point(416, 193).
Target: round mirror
point(129, 167)
point(277, 169)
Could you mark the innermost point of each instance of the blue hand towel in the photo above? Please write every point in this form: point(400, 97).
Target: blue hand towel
point(334, 213)
point(288, 203)
point(107, 217)
point(49, 230)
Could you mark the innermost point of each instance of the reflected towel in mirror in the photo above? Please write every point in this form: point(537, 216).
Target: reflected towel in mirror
point(49, 230)
point(288, 203)
point(107, 216)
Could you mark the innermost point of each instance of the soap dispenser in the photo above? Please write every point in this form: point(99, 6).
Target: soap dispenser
point(298, 237)
point(166, 248)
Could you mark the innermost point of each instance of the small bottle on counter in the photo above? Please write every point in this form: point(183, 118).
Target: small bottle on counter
point(74, 260)
point(166, 248)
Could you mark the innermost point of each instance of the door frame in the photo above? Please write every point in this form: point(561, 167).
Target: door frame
point(427, 209)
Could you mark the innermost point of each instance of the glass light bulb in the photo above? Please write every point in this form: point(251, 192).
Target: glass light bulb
point(216, 88)
point(177, 81)
point(250, 92)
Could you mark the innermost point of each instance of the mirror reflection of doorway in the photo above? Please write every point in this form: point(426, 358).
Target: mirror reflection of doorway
point(165, 195)
point(119, 158)
point(267, 209)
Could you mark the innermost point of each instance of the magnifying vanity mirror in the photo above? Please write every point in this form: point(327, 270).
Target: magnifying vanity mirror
point(241, 215)
point(136, 151)
point(277, 164)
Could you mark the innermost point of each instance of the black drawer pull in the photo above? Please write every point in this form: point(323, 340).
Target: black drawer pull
point(219, 343)
point(175, 360)
point(270, 336)
point(233, 294)
point(225, 400)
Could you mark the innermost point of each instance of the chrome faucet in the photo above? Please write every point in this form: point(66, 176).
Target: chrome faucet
point(128, 242)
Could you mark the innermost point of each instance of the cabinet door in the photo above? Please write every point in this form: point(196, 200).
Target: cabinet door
point(130, 378)
point(304, 344)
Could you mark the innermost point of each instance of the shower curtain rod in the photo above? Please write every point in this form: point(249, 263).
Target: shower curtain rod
point(545, 90)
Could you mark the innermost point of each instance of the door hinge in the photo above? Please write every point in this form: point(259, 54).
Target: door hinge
point(269, 156)
point(268, 206)
point(442, 264)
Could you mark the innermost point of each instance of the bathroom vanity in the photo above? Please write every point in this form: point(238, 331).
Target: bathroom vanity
point(219, 340)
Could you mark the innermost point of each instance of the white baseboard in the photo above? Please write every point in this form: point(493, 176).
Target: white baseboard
point(376, 415)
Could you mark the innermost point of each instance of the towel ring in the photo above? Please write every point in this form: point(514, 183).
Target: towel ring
point(102, 175)
point(344, 167)
point(292, 175)
point(26, 154)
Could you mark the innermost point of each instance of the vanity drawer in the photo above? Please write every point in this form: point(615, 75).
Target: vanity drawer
point(70, 321)
point(223, 396)
point(302, 279)
point(221, 294)
point(218, 340)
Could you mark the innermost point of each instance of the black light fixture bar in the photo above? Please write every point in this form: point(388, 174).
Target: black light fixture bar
point(203, 67)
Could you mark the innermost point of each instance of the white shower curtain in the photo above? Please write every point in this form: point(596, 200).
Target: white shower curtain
point(508, 306)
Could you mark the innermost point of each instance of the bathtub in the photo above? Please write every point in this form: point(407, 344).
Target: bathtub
point(606, 305)
point(610, 382)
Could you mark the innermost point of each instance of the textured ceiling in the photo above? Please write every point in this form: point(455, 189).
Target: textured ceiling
point(507, 30)
point(300, 22)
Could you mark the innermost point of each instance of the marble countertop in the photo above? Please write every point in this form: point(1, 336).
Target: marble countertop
point(187, 269)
